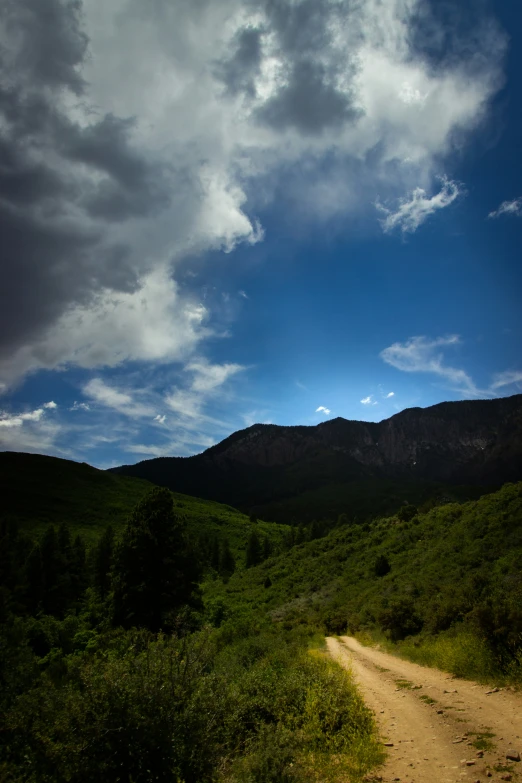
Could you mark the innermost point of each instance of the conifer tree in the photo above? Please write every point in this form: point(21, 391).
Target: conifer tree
point(215, 557)
point(253, 550)
point(155, 571)
point(227, 564)
point(34, 579)
point(77, 572)
point(50, 571)
point(267, 548)
point(102, 563)
point(64, 540)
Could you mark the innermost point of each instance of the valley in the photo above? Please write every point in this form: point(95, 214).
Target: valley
point(148, 634)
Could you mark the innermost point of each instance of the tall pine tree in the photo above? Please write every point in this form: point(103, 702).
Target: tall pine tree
point(102, 563)
point(227, 564)
point(253, 550)
point(155, 571)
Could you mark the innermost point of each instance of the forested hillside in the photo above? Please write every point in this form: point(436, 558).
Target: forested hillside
point(183, 641)
point(113, 667)
point(39, 491)
point(451, 579)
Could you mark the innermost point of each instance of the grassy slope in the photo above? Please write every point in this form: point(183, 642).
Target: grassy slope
point(38, 491)
point(444, 565)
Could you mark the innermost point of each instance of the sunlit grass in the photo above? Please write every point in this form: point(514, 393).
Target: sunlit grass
point(461, 653)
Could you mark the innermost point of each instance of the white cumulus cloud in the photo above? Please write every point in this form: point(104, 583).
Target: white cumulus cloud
point(508, 208)
point(207, 383)
point(8, 421)
point(426, 355)
point(121, 401)
point(507, 378)
point(421, 354)
point(32, 431)
point(322, 409)
point(413, 210)
point(80, 406)
point(174, 123)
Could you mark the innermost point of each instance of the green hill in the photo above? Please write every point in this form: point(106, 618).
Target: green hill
point(455, 569)
point(39, 491)
point(89, 688)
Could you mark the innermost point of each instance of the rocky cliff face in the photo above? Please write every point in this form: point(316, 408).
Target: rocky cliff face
point(437, 442)
point(472, 442)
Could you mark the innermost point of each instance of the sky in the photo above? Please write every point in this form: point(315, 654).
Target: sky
point(216, 213)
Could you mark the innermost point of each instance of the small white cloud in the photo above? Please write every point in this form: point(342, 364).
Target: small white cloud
point(149, 451)
point(508, 208)
point(206, 384)
point(184, 402)
point(415, 209)
point(243, 294)
point(367, 400)
point(10, 421)
point(208, 377)
point(255, 417)
point(508, 378)
point(411, 95)
point(422, 354)
point(80, 406)
point(390, 394)
point(120, 401)
point(322, 409)
point(160, 419)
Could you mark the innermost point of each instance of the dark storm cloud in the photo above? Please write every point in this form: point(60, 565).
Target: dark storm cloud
point(308, 99)
point(59, 180)
point(302, 28)
point(48, 40)
point(133, 186)
point(307, 102)
point(240, 71)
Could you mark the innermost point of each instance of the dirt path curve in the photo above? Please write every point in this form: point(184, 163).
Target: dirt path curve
point(433, 724)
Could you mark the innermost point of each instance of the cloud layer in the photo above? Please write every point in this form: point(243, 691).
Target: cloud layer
point(425, 355)
point(137, 135)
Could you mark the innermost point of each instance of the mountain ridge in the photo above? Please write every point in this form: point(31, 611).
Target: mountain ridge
point(466, 442)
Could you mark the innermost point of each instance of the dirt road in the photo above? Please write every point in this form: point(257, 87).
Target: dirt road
point(437, 729)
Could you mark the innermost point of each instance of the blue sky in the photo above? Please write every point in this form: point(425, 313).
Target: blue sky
point(278, 212)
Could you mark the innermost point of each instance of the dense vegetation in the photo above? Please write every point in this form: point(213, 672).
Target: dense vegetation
point(445, 585)
point(319, 488)
point(39, 491)
point(180, 640)
point(112, 668)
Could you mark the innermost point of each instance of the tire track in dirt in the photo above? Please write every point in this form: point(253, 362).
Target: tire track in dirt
point(433, 722)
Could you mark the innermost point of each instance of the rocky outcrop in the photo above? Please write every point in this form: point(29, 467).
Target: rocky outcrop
point(437, 442)
point(469, 442)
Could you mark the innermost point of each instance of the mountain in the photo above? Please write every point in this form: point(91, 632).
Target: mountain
point(353, 466)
